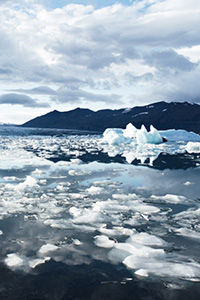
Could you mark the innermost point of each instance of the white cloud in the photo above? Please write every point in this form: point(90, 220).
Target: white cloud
point(20, 99)
point(89, 54)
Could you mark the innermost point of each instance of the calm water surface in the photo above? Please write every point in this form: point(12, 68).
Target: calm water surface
point(81, 221)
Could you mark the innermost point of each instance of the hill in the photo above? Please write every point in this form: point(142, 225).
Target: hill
point(161, 115)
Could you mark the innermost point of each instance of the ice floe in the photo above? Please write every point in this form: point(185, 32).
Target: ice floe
point(114, 212)
point(103, 241)
point(193, 147)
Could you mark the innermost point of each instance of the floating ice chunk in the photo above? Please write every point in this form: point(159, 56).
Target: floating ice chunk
point(88, 216)
point(130, 131)
point(136, 220)
point(1, 232)
point(77, 173)
point(122, 250)
point(37, 172)
point(94, 190)
point(114, 136)
point(103, 241)
point(38, 261)
point(146, 239)
point(46, 249)
point(76, 196)
point(141, 273)
point(164, 268)
point(61, 223)
point(152, 137)
point(77, 242)
point(180, 135)
point(116, 231)
point(74, 211)
point(13, 260)
point(10, 178)
point(191, 234)
point(28, 184)
point(125, 197)
point(76, 161)
point(170, 198)
point(193, 147)
point(187, 183)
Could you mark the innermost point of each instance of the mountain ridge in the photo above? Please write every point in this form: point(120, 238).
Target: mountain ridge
point(162, 115)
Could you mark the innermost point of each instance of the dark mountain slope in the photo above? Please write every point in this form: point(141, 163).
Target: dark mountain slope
point(162, 115)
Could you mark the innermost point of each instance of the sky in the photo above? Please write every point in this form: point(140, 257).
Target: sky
point(96, 54)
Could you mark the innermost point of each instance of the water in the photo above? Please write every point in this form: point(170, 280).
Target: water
point(81, 220)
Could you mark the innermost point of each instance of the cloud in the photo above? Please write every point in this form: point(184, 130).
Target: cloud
point(169, 60)
point(96, 51)
point(71, 95)
point(41, 90)
point(21, 99)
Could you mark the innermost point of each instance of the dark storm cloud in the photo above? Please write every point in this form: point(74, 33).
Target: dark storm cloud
point(21, 99)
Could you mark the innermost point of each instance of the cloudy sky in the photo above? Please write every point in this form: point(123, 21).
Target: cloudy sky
point(59, 54)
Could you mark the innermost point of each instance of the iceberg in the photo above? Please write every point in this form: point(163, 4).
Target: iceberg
point(130, 131)
point(193, 147)
point(151, 137)
point(115, 136)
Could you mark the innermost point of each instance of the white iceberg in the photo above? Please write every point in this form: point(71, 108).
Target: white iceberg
point(193, 147)
point(115, 136)
point(151, 137)
point(130, 131)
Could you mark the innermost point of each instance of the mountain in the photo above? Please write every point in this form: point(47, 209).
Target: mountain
point(162, 115)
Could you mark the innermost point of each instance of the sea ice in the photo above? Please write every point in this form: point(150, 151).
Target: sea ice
point(114, 136)
point(146, 239)
point(13, 260)
point(193, 147)
point(170, 198)
point(95, 190)
point(48, 248)
point(141, 273)
point(151, 137)
point(164, 268)
point(130, 131)
point(103, 241)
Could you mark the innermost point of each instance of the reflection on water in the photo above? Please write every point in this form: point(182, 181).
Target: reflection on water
point(79, 221)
